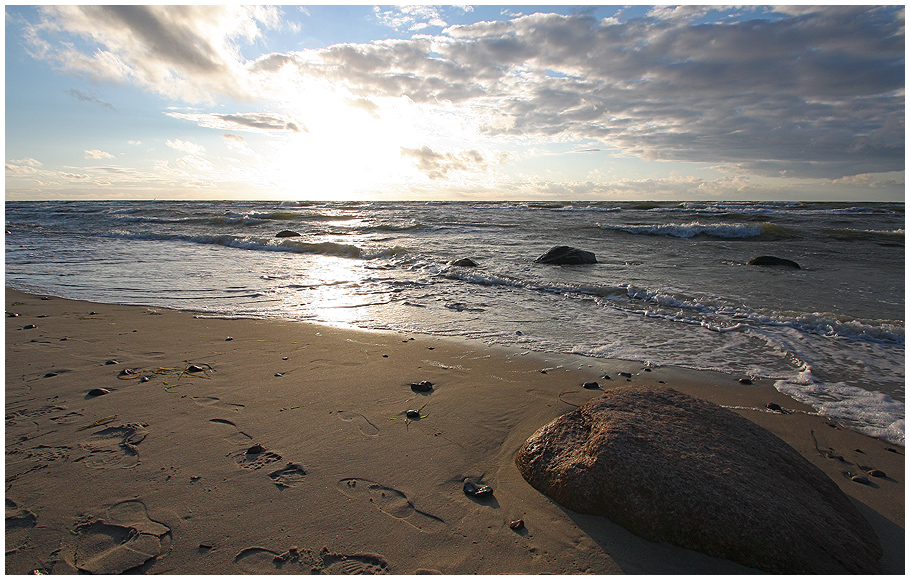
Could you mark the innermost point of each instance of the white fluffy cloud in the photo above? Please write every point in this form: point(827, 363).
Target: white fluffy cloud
point(97, 154)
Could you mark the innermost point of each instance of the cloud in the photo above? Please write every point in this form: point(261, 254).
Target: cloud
point(438, 165)
point(237, 143)
point(97, 154)
point(80, 96)
point(185, 146)
point(806, 91)
point(27, 166)
point(194, 163)
point(255, 122)
point(187, 52)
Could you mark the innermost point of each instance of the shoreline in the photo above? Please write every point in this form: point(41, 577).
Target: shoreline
point(345, 482)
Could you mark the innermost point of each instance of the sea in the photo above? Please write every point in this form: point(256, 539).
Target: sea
point(672, 284)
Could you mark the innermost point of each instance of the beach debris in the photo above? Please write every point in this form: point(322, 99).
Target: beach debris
point(291, 408)
point(861, 479)
point(517, 525)
point(99, 422)
point(745, 381)
point(476, 491)
point(581, 461)
point(773, 261)
point(774, 407)
point(876, 473)
point(422, 386)
point(98, 392)
point(591, 385)
point(566, 255)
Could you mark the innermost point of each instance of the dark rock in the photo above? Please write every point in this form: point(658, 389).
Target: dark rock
point(422, 386)
point(672, 468)
point(255, 449)
point(98, 392)
point(517, 524)
point(195, 369)
point(12, 314)
point(861, 479)
point(412, 414)
point(774, 407)
point(29, 327)
point(286, 234)
point(627, 375)
point(591, 385)
point(562, 255)
point(465, 263)
point(773, 261)
point(477, 491)
point(112, 362)
point(877, 473)
point(745, 381)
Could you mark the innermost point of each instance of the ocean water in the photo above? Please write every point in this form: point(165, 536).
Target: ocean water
point(671, 286)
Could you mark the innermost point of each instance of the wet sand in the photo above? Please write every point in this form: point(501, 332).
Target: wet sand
point(264, 446)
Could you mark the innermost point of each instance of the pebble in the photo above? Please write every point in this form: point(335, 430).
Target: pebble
point(412, 414)
point(229, 338)
point(422, 386)
point(517, 524)
point(257, 448)
point(12, 314)
point(861, 479)
point(627, 375)
point(279, 374)
point(112, 362)
point(98, 392)
point(745, 381)
point(591, 385)
point(482, 491)
point(144, 380)
point(195, 369)
point(877, 473)
point(775, 407)
point(50, 374)
point(29, 326)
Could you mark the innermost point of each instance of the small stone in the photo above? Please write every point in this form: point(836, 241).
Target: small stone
point(422, 386)
point(745, 381)
point(861, 479)
point(50, 374)
point(412, 414)
point(279, 374)
point(205, 546)
point(257, 448)
point(473, 490)
point(98, 392)
point(877, 473)
point(775, 407)
point(517, 524)
point(12, 314)
point(229, 338)
point(112, 362)
point(543, 372)
point(144, 380)
point(29, 327)
point(195, 369)
point(606, 377)
point(591, 385)
point(627, 375)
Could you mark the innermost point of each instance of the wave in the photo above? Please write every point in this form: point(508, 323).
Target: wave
point(270, 244)
point(692, 229)
point(849, 234)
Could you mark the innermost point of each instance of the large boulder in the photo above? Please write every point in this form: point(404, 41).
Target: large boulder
point(773, 261)
point(566, 255)
point(672, 468)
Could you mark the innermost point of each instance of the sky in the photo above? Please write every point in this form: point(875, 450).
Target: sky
point(472, 102)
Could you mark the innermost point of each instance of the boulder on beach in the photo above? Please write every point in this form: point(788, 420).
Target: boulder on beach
point(286, 234)
point(673, 468)
point(566, 255)
point(773, 261)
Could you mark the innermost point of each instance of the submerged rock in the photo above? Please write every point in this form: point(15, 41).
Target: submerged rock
point(566, 255)
point(773, 261)
point(465, 263)
point(672, 468)
point(286, 234)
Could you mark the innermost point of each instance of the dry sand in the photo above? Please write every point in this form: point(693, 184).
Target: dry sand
point(159, 474)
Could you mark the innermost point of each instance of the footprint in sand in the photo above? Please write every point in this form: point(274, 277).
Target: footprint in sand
point(295, 561)
point(114, 446)
point(123, 541)
point(289, 476)
point(67, 419)
point(19, 524)
point(237, 437)
point(363, 424)
point(256, 457)
point(390, 502)
point(216, 403)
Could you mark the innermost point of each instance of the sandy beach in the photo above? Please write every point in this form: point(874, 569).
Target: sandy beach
point(263, 446)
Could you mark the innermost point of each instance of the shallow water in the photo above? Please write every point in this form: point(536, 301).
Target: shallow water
point(671, 286)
